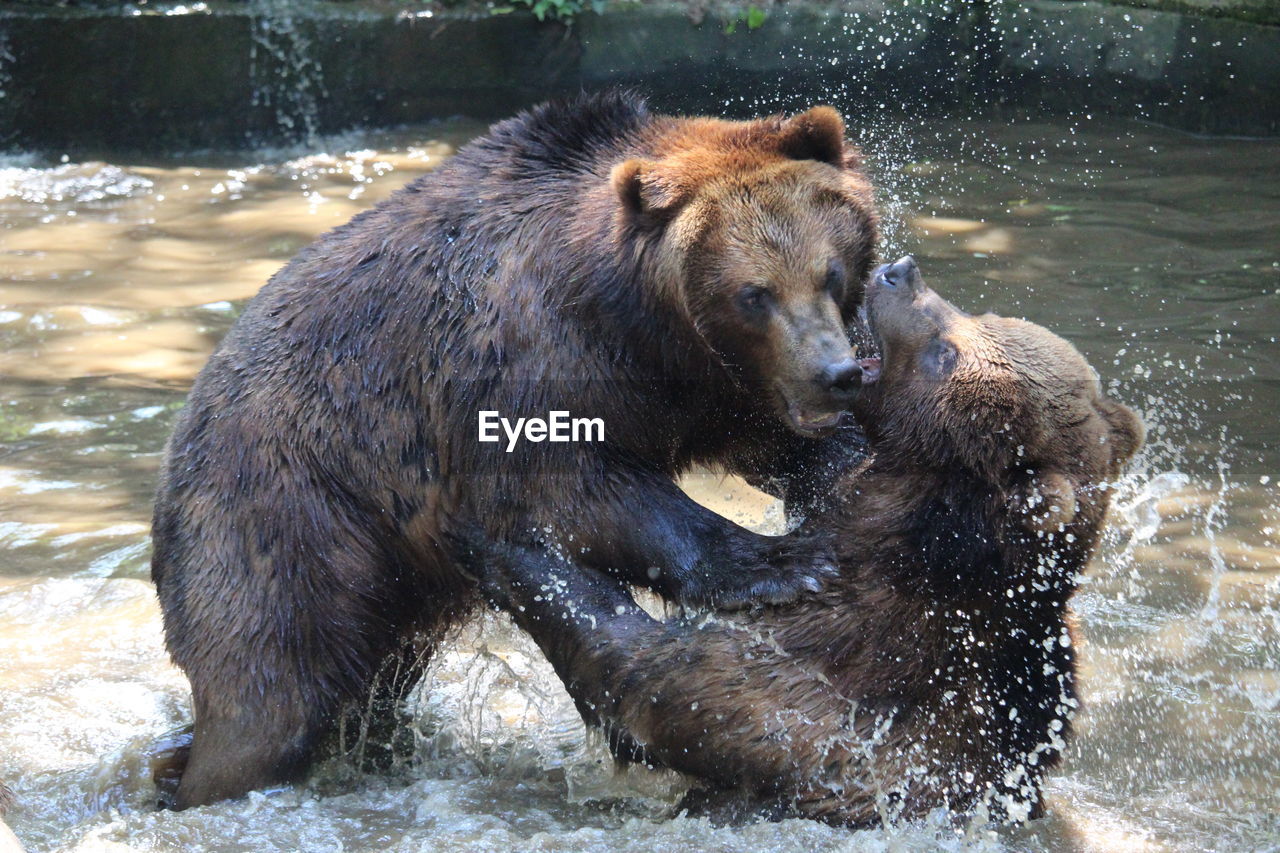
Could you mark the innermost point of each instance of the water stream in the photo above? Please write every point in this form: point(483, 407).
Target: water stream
point(1156, 252)
point(285, 76)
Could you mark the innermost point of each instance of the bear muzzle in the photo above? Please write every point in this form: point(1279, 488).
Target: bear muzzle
point(822, 403)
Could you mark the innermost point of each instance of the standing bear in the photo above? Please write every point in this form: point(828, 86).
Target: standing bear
point(688, 282)
point(938, 670)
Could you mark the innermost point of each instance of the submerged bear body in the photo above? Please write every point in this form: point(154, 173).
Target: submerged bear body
point(587, 257)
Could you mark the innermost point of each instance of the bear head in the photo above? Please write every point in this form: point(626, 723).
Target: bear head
point(1003, 401)
point(763, 233)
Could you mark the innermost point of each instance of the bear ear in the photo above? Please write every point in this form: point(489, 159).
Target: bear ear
point(1127, 430)
point(642, 189)
point(817, 134)
point(1048, 502)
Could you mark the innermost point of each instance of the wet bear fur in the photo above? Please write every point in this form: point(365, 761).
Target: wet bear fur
point(689, 281)
point(939, 671)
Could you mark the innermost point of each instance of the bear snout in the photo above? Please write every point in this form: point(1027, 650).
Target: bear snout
point(841, 378)
point(820, 401)
point(901, 273)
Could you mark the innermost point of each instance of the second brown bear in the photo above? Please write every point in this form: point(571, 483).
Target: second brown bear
point(939, 670)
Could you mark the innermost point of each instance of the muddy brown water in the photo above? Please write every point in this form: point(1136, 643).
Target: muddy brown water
point(1157, 253)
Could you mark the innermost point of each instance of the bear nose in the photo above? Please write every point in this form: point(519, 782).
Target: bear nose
point(841, 377)
point(900, 273)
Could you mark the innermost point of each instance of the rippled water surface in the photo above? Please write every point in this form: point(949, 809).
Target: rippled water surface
point(1157, 253)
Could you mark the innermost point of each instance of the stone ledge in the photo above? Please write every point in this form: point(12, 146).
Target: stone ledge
point(81, 80)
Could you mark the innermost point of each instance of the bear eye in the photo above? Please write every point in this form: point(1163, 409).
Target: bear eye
point(834, 283)
point(940, 356)
point(755, 301)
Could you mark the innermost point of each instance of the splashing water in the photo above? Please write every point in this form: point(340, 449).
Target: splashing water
point(1142, 511)
point(284, 71)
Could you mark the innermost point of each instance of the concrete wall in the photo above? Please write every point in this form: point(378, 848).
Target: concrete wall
point(81, 80)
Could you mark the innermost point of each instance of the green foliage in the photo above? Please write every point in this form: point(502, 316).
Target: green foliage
point(753, 17)
point(556, 10)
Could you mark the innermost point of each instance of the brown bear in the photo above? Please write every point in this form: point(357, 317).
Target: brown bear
point(684, 286)
point(939, 670)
